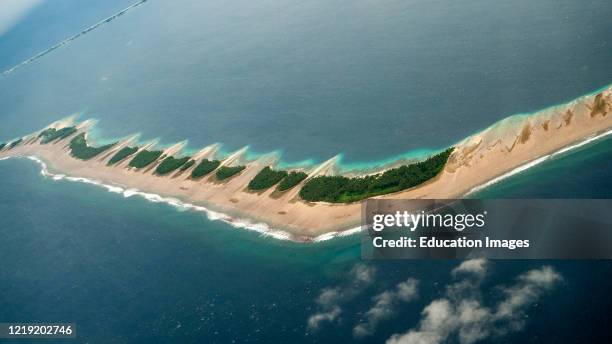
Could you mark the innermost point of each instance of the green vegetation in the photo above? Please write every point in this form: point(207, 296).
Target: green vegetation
point(292, 179)
point(338, 189)
point(52, 134)
point(225, 172)
point(144, 158)
point(79, 148)
point(205, 167)
point(170, 164)
point(266, 178)
point(187, 165)
point(14, 143)
point(122, 154)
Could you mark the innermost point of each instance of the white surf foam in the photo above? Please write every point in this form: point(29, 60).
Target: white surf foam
point(538, 161)
point(179, 205)
point(263, 228)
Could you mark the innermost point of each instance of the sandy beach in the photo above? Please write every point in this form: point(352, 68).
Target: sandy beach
point(480, 158)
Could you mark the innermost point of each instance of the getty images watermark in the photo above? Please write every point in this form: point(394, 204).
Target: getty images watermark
point(502, 229)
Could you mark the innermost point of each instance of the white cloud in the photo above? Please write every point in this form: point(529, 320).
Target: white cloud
point(384, 306)
point(331, 299)
point(328, 300)
point(11, 11)
point(437, 323)
point(363, 273)
point(462, 313)
point(528, 289)
point(477, 266)
point(473, 320)
point(382, 309)
point(408, 290)
point(315, 320)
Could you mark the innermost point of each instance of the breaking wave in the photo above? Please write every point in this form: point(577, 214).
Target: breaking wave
point(538, 161)
point(264, 229)
point(241, 223)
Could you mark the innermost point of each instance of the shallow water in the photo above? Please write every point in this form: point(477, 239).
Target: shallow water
point(129, 270)
point(580, 173)
point(312, 79)
point(315, 79)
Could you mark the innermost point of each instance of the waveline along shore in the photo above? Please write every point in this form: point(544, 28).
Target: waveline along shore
point(248, 189)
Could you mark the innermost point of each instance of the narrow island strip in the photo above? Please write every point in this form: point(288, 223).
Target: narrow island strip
point(309, 203)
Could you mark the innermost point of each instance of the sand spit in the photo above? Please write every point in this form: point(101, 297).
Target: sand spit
point(483, 158)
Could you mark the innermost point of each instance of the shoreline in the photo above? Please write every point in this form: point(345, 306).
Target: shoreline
point(263, 229)
point(539, 161)
point(504, 149)
point(238, 223)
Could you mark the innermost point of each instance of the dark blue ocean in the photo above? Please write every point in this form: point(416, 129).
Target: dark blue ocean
point(372, 80)
point(126, 270)
point(368, 79)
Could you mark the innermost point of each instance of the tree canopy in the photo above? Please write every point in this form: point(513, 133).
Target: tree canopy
point(170, 164)
point(225, 172)
point(52, 134)
point(339, 189)
point(122, 154)
point(205, 167)
point(187, 165)
point(144, 158)
point(14, 143)
point(81, 150)
point(266, 178)
point(292, 179)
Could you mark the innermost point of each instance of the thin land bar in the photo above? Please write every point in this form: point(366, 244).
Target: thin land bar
point(315, 204)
